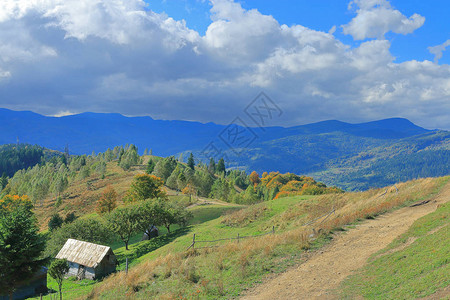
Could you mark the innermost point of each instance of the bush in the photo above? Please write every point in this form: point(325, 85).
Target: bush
point(93, 230)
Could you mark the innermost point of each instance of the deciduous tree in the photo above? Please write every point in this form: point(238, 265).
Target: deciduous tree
point(57, 270)
point(145, 186)
point(254, 178)
point(124, 221)
point(107, 201)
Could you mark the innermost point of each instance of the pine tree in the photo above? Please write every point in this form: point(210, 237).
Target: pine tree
point(21, 244)
point(55, 222)
point(212, 166)
point(191, 163)
point(221, 166)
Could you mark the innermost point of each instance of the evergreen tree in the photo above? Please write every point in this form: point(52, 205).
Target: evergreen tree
point(150, 166)
point(212, 166)
point(191, 163)
point(3, 181)
point(21, 245)
point(221, 166)
point(70, 217)
point(55, 222)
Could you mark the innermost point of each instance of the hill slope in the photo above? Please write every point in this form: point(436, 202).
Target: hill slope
point(225, 271)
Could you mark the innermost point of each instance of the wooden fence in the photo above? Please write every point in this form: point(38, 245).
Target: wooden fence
point(237, 238)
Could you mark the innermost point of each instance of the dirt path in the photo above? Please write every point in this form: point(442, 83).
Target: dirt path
point(324, 270)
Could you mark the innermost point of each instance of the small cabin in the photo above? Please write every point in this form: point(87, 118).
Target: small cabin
point(88, 260)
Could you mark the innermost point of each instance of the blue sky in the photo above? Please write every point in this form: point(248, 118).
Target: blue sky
point(324, 14)
point(206, 60)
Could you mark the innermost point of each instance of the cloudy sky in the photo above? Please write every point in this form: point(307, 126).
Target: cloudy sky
point(204, 60)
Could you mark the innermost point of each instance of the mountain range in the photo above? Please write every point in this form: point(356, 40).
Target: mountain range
point(351, 156)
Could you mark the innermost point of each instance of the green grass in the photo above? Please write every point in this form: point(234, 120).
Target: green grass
point(235, 272)
point(71, 288)
point(203, 213)
point(415, 265)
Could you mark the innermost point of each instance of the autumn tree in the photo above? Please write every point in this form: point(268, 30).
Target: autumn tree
point(190, 190)
point(107, 201)
point(254, 178)
point(145, 186)
point(20, 243)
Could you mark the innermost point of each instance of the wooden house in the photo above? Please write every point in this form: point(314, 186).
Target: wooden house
point(88, 260)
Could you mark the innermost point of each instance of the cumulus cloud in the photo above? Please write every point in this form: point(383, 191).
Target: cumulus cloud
point(63, 56)
point(374, 18)
point(438, 50)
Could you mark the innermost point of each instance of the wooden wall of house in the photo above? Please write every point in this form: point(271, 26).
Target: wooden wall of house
point(106, 267)
point(73, 271)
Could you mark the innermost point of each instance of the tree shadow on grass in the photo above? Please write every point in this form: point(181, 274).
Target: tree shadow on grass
point(141, 248)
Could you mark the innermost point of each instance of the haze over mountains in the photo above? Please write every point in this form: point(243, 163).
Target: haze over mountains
point(352, 156)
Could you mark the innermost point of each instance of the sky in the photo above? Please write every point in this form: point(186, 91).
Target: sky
point(207, 61)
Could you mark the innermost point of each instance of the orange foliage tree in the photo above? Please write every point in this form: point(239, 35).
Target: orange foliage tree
point(145, 186)
point(107, 201)
point(189, 190)
point(254, 178)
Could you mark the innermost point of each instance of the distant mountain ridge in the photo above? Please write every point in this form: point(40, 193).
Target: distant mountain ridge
point(87, 132)
point(329, 150)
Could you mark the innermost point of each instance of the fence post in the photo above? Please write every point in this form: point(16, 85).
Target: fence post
point(193, 241)
point(238, 238)
point(126, 265)
point(273, 229)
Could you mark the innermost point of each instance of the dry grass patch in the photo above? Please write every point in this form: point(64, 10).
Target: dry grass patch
point(245, 216)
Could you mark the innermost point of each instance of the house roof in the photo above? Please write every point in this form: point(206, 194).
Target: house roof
point(83, 253)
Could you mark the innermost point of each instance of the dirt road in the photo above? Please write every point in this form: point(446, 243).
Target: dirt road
point(324, 270)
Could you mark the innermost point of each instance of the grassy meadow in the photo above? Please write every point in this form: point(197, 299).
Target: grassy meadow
point(171, 272)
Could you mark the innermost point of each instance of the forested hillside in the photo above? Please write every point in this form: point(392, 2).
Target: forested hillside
point(75, 183)
point(14, 157)
point(350, 156)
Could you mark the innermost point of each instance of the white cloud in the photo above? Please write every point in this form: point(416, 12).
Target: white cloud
point(438, 50)
point(63, 113)
point(117, 56)
point(374, 18)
